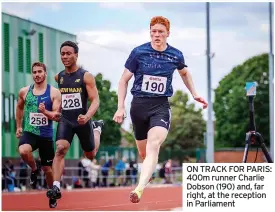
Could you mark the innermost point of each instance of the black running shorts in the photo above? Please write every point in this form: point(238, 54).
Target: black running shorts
point(149, 112)
point(44, 145)
point(66, 131)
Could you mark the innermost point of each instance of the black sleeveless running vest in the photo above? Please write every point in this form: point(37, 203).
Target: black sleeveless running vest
point(74, 94)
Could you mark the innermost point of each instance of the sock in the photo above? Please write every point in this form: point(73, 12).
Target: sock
point(56, 183)
point(138, 188)
point(98, 129)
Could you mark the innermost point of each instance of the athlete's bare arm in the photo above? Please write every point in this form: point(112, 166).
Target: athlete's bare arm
point(56, 100)
point(122, 90)
point(56, 78)
point(92, 91)
point(20, 110)
point(188, 81)
point(122, 87)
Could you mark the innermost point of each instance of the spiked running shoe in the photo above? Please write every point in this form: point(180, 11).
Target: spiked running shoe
point(54, 193)
point(98, 123)
point(135, 195)
point(33, 179)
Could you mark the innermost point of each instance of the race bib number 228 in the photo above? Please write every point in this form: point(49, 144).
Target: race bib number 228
point(71, 101)
point(154, 84)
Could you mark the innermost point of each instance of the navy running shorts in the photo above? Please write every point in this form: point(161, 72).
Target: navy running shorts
point(149, 112)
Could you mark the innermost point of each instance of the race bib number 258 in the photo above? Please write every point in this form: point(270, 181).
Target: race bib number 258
point(71, 101)
point(38, 119)
point(154, 84)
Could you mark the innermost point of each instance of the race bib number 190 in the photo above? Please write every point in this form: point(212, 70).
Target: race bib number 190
point(154, 84)
point(71, 101)
point(38, 119)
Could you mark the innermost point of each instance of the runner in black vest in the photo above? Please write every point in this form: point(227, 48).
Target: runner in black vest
point(76, 86)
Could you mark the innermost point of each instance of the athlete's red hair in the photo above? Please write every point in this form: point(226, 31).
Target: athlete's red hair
point(160, 20)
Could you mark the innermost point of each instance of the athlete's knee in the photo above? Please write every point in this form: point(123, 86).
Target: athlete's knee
point(154, 143)
point(61, 150)
point(24, 151)
point(156, 137)
point(154, 147)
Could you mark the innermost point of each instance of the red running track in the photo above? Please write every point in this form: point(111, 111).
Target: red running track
point(111, 199)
